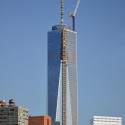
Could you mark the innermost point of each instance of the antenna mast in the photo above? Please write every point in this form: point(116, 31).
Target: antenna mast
point(62, 12)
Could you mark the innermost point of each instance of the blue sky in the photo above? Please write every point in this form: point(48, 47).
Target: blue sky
point(101, 54)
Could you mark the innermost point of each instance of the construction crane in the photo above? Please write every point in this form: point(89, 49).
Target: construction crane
point(72, 15)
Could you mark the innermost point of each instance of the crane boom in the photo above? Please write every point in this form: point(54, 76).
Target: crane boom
point(77, 5)
point(74, 14)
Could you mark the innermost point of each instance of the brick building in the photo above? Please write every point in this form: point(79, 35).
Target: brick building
point(39, 120)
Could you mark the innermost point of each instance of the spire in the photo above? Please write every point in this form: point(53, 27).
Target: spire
point(62, 13)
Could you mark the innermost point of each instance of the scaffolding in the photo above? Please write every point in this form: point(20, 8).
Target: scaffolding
point(64, 58)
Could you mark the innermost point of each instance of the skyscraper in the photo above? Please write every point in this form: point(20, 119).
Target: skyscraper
point(62, 74)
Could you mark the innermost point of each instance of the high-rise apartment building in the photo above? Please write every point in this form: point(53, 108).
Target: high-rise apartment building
point(104, 120)
point(12, 114)
point(62, 74)
point(39, 120)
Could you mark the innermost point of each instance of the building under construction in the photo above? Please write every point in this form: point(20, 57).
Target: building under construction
point(12, 114)
point(62, 73)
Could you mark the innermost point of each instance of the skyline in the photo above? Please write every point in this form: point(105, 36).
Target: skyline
point(101, 54)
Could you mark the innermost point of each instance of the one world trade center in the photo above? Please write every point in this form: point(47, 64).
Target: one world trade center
point(62, 74)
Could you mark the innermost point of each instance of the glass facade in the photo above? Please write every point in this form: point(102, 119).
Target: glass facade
point(55, 74)
point(54, 42)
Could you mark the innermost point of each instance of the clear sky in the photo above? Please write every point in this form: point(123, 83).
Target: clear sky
point(101, 54)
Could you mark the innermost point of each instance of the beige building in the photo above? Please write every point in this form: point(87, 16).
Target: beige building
point(12, 114)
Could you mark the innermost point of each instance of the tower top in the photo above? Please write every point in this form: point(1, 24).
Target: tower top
point(62, 12)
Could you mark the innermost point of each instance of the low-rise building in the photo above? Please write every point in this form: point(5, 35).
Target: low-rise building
point(104, 120)
point(12, 114)
point(39, 120)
